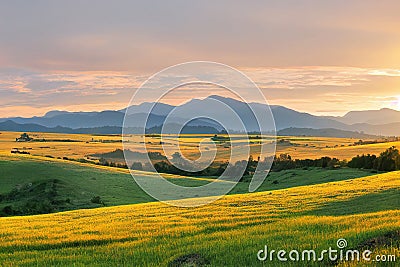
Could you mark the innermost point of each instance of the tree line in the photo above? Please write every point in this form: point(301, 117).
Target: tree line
point(388, 160)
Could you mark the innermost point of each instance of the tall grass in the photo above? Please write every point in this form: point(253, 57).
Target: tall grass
point(228, 232)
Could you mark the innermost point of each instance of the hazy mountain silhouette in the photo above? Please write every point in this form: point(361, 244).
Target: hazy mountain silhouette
point(31, 127)
point(389, 129)
point(327, 132)
point(75, 119)
point(377, 122)
point(284, 117)
point(376, 117)
point(155, 108)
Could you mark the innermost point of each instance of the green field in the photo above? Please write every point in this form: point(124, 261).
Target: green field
point(37, 186)
point(95, 215)
point(228, 232)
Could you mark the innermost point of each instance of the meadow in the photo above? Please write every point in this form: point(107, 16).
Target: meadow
point(228, 232)
point(73, 185)
point(98, 216)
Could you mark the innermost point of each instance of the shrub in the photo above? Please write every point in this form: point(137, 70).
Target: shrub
point(8, 210)
point(137, 166)
point(97, 200)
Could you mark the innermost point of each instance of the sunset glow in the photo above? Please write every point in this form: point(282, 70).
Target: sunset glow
point(199, 133)
point(345, 62)
point(398, 103)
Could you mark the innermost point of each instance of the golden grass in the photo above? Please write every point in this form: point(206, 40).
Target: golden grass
point(238, 224)
point(303, 147)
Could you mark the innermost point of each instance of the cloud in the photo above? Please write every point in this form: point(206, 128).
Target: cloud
point(143, 36)
point(37, 92)
point(319, 90)
point(43, 86)
point(300, 77)
point(81, 56)
point(385, 72)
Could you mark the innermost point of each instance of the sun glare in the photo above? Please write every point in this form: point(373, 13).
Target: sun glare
point(398, 103)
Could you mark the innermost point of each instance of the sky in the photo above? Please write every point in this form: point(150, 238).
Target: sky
point(321, 57)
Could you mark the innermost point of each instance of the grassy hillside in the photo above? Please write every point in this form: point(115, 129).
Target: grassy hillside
point(32, 186)
point(229, 232)
point(29, 186)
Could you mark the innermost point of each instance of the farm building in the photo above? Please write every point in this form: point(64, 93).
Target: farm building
point(23, 138)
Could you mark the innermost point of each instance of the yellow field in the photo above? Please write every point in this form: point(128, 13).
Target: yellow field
point(80, 149)
point(340, 152)
point(228, 232)
point(299, 147)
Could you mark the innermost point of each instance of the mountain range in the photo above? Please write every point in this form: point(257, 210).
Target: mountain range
point(384, 122)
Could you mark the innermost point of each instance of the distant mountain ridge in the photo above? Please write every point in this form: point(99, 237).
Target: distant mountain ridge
point(327, 132)
point(15, 127)
point(30, 127)
point(74, 119)
point(374, 117)
point(375, 122)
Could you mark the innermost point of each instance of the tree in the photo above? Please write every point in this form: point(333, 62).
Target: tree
point(363, 162)
point(389, 160)
point(137, 166)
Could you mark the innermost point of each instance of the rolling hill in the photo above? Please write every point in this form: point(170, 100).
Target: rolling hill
point(34, 186)
point(228, 232)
